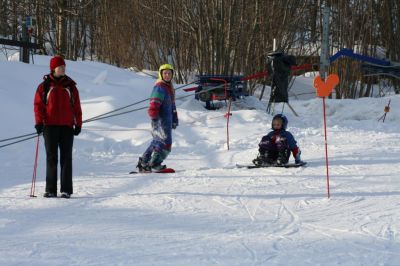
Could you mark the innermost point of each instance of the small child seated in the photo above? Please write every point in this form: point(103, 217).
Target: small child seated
point(275, 147)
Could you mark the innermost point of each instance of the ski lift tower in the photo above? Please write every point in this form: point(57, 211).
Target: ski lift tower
point(25, 43)
point(324, 57)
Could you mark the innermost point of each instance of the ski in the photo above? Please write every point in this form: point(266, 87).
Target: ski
point(289, 165)
point(163, 171)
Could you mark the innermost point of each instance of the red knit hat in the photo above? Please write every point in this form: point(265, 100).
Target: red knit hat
point(56, 61)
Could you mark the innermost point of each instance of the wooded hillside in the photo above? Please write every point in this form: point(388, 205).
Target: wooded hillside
point(213, 36)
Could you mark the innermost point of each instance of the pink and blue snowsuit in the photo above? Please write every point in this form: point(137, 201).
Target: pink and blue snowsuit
point(162, 111)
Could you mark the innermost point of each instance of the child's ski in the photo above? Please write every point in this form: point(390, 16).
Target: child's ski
point(289, 165)
point(163, 171)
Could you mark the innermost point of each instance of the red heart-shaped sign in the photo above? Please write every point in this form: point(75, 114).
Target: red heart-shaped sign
point(325, 88)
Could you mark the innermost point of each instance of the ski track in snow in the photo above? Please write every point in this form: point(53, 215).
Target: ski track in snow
point(235, 217)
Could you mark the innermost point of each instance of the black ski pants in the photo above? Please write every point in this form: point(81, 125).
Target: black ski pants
point(58, 137)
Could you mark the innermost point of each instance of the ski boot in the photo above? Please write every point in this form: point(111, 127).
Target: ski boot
point(50, 195)
point(158, 167)
point(156, 160)
point(283, 157)
point(142, 166)
point(65, 195)
point(262, 160)
point(258, 161)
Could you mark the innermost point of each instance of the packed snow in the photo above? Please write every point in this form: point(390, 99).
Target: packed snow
point(209, 212)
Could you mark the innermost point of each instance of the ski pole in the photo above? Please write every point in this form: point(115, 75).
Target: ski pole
point(33, 185)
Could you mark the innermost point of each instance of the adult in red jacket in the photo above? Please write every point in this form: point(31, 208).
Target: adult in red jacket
point(58, 115)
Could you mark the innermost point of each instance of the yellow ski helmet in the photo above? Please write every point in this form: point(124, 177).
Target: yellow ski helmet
point(165, 67)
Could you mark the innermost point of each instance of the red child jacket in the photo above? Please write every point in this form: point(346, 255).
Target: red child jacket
point(57, 102)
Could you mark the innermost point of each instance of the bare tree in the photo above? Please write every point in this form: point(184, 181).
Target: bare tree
point(214, 36)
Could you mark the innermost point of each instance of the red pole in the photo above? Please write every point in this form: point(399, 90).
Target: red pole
point(227, 115)
point(229, 107)
point(33, 185)
point(326, 149)
point(324, 88)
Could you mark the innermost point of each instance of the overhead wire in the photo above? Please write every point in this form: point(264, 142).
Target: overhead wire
point(145, 107)
point(15, 142)
point(98, 117)
point(108, 114)
point(126, 106)
point(18, 137)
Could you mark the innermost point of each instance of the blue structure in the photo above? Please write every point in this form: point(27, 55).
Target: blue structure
point(371, 66)
point(349, 53)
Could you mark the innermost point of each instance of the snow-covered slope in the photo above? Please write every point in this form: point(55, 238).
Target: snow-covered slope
point(209, 212)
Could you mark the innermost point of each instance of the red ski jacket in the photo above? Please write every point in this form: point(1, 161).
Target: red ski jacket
point(57, 102)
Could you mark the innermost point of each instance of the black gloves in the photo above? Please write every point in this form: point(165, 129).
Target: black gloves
point(39, 128)
point(77, 130)
point(175, 121)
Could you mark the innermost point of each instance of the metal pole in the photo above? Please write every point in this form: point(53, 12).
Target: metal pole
point(323, 71)
point(324, 60)
point(25, 48)
point(291, 108)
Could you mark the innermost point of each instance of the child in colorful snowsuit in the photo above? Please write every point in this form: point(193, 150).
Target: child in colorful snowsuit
point(275, 147)
point(164, 118)
point(58, 115)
